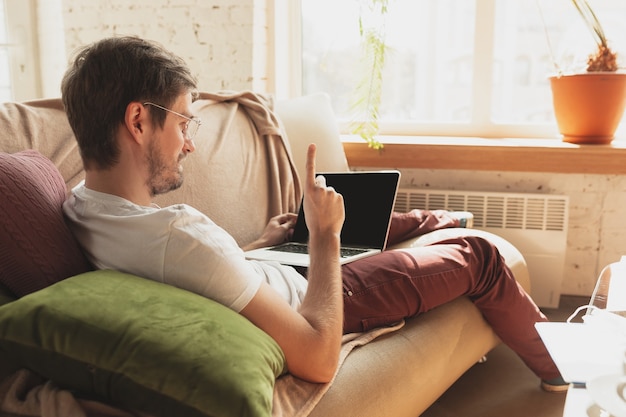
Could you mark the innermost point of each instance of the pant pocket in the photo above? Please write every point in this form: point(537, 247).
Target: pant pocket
point(382, 321)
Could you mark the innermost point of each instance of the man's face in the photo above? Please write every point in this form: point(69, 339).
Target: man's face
point(168, 148)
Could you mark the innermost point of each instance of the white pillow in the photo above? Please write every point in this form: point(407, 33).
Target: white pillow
point(310, 119)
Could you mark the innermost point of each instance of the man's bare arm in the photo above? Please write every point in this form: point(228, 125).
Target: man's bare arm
point(311, 337)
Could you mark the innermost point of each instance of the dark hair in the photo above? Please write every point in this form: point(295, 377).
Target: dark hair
point(108, 75)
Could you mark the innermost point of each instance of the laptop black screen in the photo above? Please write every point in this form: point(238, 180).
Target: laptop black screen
point(368, 198)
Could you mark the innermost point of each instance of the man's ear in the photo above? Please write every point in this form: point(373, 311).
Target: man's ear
point(136, 119)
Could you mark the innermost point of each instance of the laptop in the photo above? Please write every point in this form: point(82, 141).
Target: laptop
point(369, 197)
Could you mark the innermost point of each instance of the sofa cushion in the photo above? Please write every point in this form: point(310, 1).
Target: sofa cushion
point(143, 345)
point(311, 119)
point(37, 248)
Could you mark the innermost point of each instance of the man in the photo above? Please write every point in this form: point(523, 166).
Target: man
point(129, 104)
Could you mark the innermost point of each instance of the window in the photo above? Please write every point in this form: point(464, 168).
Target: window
point(454, 67)
point(19, 72)
point(6, 92)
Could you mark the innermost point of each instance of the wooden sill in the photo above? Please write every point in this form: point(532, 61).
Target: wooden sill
point(524, 155)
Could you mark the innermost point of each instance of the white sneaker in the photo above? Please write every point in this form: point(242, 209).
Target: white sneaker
point(466, 219)
point(555, 385)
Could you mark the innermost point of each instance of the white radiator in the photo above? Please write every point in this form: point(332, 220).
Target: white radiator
point(534, 223)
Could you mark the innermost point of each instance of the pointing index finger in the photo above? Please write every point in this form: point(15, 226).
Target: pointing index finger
point(310, 165)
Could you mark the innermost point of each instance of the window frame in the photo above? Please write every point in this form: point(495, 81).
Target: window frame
point(285, 65)
point(287, 81)
point(23, 49)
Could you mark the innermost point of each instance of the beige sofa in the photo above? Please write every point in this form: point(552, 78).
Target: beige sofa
point(246, 169)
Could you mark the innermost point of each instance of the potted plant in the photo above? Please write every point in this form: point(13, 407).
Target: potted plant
point(588, 106)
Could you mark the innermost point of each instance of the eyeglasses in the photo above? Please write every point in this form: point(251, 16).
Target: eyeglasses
point(190, 129)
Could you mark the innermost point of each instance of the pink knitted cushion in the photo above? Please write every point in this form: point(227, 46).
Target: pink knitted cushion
point(37, 248)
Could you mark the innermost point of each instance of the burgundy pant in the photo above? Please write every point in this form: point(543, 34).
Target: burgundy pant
point(398, 284)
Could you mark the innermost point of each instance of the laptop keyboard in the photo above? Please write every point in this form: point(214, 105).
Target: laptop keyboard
point(300, 248)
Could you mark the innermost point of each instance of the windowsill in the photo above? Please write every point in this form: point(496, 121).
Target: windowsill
point(524, 155)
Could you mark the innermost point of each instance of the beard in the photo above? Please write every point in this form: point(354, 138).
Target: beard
point(163, 176)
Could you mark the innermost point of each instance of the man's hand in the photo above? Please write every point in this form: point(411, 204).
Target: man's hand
point(323, 206)
point(278, 230)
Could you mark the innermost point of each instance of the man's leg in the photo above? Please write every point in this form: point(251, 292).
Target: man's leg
point(415, 223)
point(396, 284)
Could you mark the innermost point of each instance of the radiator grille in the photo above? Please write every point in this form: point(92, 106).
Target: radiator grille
point(491, 209)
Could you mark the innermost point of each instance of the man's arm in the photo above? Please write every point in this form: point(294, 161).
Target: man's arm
point(311, 337)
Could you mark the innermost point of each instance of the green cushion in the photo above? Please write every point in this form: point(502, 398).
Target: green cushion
point(143, 345)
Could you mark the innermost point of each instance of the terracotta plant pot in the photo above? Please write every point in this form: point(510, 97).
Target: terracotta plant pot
point(588, 107)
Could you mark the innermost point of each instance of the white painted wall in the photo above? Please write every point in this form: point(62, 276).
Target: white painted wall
point(225, 44)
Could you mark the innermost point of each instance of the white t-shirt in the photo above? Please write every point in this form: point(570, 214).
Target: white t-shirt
point(176, 245)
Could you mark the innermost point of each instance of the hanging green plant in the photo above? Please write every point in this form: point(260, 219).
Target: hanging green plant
point(368, 92)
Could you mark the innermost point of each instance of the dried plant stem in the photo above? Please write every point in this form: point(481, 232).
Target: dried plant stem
point(604, 59)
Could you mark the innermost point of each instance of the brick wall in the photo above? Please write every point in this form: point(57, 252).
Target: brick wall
point(223, 41)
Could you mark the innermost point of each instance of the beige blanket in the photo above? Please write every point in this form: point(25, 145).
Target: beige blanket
point(26, 394)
